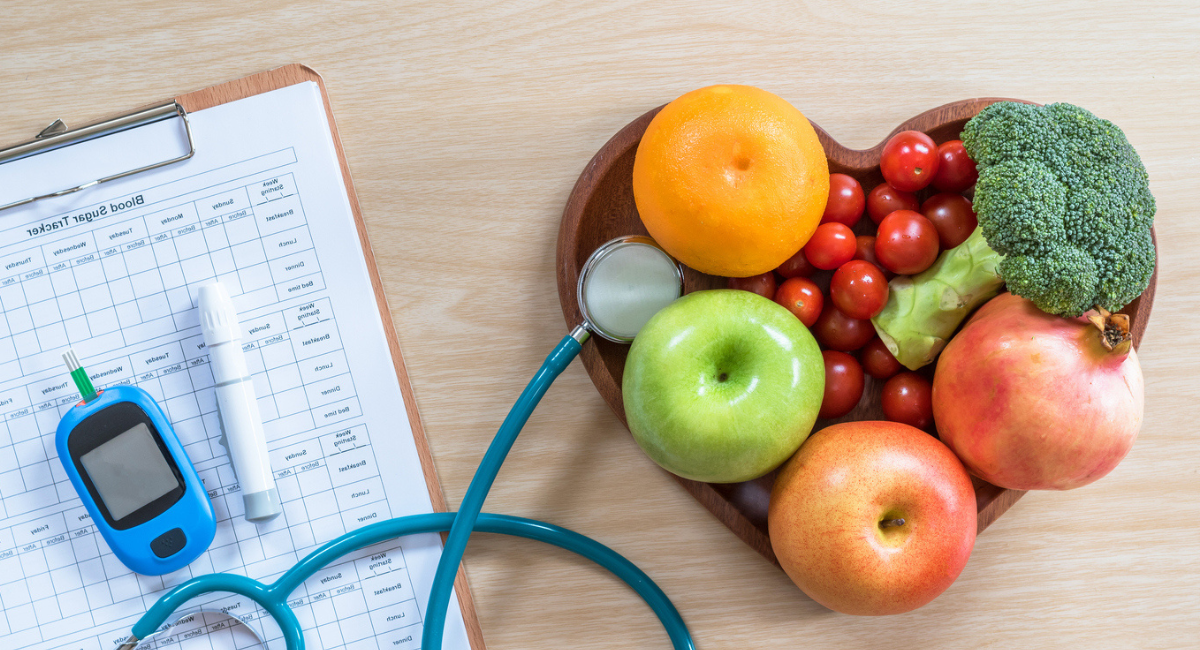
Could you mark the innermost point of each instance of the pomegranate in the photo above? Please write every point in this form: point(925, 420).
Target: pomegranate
point(1031, 401)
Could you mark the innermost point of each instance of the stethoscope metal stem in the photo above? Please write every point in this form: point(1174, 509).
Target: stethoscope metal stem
point(581, 333)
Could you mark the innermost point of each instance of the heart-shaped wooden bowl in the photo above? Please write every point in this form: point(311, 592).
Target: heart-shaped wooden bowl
point(601, 207)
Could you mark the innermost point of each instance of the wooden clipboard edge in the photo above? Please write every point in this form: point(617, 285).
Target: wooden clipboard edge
point(290, 75)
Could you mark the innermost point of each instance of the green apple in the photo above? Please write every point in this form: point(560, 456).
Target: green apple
point(722, 386)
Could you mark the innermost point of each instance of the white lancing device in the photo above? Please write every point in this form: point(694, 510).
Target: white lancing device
point(240, 418)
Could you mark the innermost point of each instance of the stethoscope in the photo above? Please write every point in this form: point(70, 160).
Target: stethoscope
point(622, 284)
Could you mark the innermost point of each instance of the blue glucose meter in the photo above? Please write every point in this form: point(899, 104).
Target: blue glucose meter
point(134, 478)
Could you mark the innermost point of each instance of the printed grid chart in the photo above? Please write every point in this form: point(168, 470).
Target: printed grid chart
point(344, 606)
point(125, 291)
point(298, 367)
point(135, 278)
point(74, 582)
point(57, 574)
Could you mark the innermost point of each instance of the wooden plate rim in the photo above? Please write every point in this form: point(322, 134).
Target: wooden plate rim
point(854, 160)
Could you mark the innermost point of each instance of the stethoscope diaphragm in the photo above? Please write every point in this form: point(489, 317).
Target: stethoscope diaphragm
point(624, 283)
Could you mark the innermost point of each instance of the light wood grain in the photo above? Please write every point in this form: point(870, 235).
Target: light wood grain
point(466, 126)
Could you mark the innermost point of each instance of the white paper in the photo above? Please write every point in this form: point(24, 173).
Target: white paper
point(113, 272)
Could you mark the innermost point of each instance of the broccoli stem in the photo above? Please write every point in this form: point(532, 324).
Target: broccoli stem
point(923, 311)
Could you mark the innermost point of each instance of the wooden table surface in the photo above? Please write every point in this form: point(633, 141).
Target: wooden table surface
point(466, 125)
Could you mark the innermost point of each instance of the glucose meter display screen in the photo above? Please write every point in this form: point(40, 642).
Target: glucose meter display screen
point(129, 471)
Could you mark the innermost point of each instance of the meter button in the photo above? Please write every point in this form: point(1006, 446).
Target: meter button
point(169, 543)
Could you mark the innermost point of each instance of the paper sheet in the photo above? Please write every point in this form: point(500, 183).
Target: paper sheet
point(113, 272)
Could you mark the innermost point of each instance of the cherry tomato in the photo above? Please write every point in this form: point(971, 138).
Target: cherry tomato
point(909, 161)
point(831, 246)
point(877, 360)
point(865, 250)
point(801, 297)
point(796, 266)
point(956, 171)
point(859, 289)
point(837, 331)
point(846, 200)
point(907, 243)
point(908, 398)
point(885, 199)
point(952, 216)
point(763, 285)
point(843, 384)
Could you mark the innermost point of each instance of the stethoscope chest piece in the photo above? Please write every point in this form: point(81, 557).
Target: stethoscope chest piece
point(625, 282)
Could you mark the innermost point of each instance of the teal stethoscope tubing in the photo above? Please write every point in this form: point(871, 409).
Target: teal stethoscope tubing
point(273, 598)
point(481, 483)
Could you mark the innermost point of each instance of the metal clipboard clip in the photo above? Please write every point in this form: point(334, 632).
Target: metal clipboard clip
point(57, 136)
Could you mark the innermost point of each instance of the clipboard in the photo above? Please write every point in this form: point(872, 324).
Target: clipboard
point(57, 136)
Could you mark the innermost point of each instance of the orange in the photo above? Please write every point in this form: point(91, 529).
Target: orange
point(730, 180)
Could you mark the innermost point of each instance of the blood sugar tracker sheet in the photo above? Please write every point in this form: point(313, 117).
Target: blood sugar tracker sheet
point(113, 273)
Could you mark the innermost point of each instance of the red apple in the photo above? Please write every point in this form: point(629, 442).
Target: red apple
point(872, 518)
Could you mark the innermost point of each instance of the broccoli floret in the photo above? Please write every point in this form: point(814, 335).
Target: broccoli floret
point(1007, 131)
point(1027, 205)
point(1064, 212)
point(1064, 279)
point(1119, 263)
point(1064, 196)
